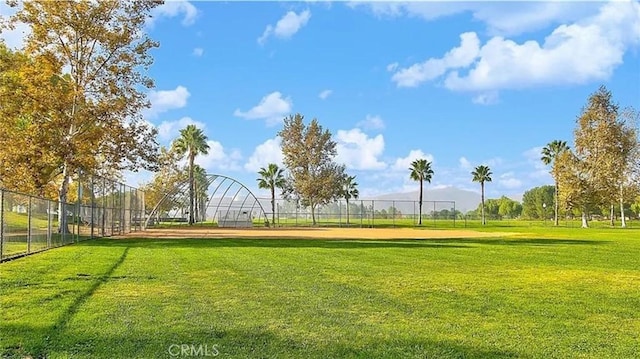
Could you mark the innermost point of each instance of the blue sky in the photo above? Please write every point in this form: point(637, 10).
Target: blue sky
point(460, 84)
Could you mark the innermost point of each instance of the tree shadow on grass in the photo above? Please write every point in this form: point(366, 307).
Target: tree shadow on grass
point(334, 243)
point(238, 342)
point(53, 334)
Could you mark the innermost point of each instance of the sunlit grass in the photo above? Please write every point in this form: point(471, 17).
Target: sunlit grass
point(545, 293)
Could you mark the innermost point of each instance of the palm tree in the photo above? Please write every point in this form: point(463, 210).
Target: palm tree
point(201, 186)
point(482, 174)
point(421, 171)
point(192, 142)
point(349, 190)
point(549, 154)
point(271, 178)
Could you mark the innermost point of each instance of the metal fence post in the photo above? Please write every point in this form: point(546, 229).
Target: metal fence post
point(29, 226)
point(434, 215)
point(93, 208)
point(49, 225)
point(79, 206)
point(373, 214)
point(393, 215)
point(104, 209)
point(455, 214)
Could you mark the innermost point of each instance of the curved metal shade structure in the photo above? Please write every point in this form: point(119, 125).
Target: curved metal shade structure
point(219, 199)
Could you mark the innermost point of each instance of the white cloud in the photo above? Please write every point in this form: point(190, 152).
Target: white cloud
point(169, 130)
point(286, 27)
point(218, 159)
point(392, 67)
point(501, 18)
point(324, 94)
point(165, 100)
point(486, 98)
point(533, 159)
point(174, 8)
point(272, 108)
point(358, 151)
point(508, 181)
point(461, 56)
point(403, 163)
point(198, 51)
point(534, 156)
point(371, 123)
point(465, 164)
point(265, 153)
point(494, 162)
point(585, 51)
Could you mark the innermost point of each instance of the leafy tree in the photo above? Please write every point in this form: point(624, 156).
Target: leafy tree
point(595, 171)
point(271, 178)
point(27, 154)
point(192, 142)
point(308, 155)
point(549, 154)
point(509, 208)
point(349, 190)
point(160, 192)
point(535, 199)
point(420, 171)
point(394, 212)
point(629, 174)
point(500, 207)
point(635, 207)
point(201, 186)
point(482, 174)
point(98, 117)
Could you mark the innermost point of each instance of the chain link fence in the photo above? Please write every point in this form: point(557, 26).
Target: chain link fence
point(364, 213)
point(97, 207)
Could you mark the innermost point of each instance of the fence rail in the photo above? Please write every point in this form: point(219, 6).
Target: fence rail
point(99, 208)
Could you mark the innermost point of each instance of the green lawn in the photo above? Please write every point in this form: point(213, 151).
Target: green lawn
point(546, 293)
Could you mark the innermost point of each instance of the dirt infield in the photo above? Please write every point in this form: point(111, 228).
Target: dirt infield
point(308, 233)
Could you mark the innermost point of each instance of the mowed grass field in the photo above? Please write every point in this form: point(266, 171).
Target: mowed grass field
point(544, 293)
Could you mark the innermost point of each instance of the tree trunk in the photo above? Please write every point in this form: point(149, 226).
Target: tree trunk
point(585, 222)
point(611, 215)
point(191, 159)
point(622, 218)
point(313, 214)
point(482, 200)
point(273, 206)
point(196, 205)
point(347, 212)
point(63, 226)
point(555, 219)
point(420, 205)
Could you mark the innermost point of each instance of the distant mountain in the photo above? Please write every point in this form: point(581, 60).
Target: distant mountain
point(465, 200)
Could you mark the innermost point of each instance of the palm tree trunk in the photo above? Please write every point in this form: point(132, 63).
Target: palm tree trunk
point(196, 206)
point(273, 206)
point(555, 220)
point(347, 212)
point(191, 159)
point(420, 205)
point(482, 200)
